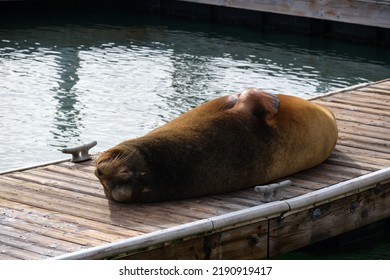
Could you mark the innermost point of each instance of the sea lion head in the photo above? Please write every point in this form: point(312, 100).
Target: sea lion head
point(123, 174)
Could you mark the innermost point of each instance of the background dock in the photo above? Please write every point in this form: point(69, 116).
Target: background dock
point(58, 209)
point(364, 12)
point(358, 20)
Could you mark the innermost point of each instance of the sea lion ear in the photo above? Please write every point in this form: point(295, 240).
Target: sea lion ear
point(258, 102)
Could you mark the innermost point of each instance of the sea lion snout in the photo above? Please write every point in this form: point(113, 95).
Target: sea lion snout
point(121, 175)
point(122, 194)
point(117, 182)
point(98, 172)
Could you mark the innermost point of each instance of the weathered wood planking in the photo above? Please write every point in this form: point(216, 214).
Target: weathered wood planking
point(364, 12)
point(229, 244)
point(304, 228)
point(60, 208)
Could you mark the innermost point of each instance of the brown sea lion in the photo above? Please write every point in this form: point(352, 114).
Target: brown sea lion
point(229, 143)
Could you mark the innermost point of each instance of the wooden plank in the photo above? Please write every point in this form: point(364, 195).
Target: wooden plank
point(367, 131)
point(240, 200)
point(49, 190)
point(381, 87)
point(354, 118)
point(55, 225)
point(207, 206)
point(87, 166)
point(377, 113)
point(347, 171)
point(340, 157)
point(63, 202)
point(372, 95)
point(302, 228)
point(28, 243)
point(363, 159)
point(193, 249)
point(292, 191)
point(320, 175)
point(305, 184)
point(44, 177)
point(87, 203)
point(360, 101)
point(246, 242)
point(372, 155)
point(87, 179)
point(76, 172)
point(350, 142)
point(346, 145)
point(13, 252)
point(364, 12)
point(4, 256)
point(342, 163)
point(321, 178)
point(340, 166)
point(350, 160)
point(69, 222)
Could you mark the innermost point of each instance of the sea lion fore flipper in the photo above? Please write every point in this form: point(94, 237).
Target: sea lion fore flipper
point(258, 103)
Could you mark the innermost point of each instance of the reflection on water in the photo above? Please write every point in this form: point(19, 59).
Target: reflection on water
point(67, 120)
point(78, 80)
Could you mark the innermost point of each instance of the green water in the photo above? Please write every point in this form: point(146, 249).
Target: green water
point(109, 76)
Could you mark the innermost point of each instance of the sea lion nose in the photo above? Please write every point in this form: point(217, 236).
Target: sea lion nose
point(98, 172)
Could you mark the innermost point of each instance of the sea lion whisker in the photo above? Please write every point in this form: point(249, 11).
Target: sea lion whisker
point(126, 157)
point(120, 158)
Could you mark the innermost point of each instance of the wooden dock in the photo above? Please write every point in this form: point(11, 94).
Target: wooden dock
point(362, 12)
point(59, 210)
point(357, 20)
point(358, 12)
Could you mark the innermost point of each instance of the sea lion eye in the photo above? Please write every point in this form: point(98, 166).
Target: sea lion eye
point(125, 173)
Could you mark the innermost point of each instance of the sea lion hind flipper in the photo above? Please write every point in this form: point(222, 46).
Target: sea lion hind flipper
point(258, 103)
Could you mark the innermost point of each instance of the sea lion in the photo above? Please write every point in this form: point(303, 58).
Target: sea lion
point(226, 144)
